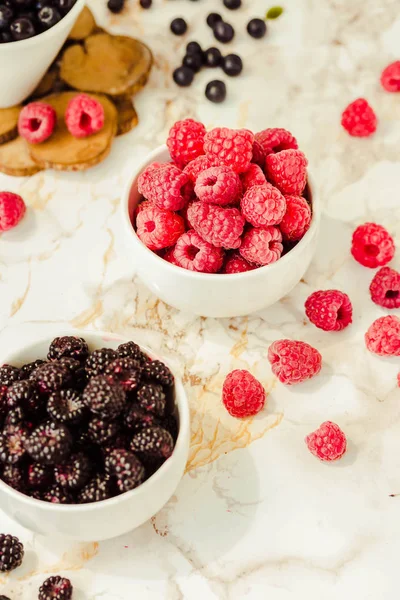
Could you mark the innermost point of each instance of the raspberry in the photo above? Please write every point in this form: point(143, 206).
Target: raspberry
point(75, 473)
point(155, 370)
point(253, 176)
point(328, 442)
point(12, 442)
point(158, 228)
point(145, 180)
point(287, 171)
point(66, 406)
point(258, 154)
point(98, 360)
point(385, 288)
point(57, 495)
point(233, 148)
point(11, 552)
point(198, 165)
point(126, 468)
point(152, 398)
point(218, 185)
point(132, 350)
point(9, 374)
point(237, 264)
point(169, 256)
point(372, 246)
point(242, 394)
point(98, 489)
point(12, 209)
point(193, 253)
point(84, 116)
point(390, 78)
point(136, 418)
point(275, 140)
point(36, 122)
point(296, 219)
point(262, 246)
point(263, 205)
point(219, 226)
point(102, 431)
point(153, 441)
point(359, 119)
point(50, 377)
point(68, 346)
point(166, 186)
point(383, 336)
point(104, 398)
point(185, 141)
point(50, 443)
point(329, 310)
point(56, 588)
point(293, 361)
point(39, 476)
point(126, 372)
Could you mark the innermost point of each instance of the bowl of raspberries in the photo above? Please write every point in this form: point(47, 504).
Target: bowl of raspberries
point(94, 435)
point(222, 223)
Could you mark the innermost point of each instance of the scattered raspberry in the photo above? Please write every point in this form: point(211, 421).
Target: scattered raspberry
point(275, 140)
point(253, 176)
point(359, 119)
point(242, 394)
point(198, 165)
point(193, 253)
point(218, 185)
point(12, 209)
point(186, 141)
point(84, 116)
point(263, 205)
point(383, 336)
point(217, 225)
point(237, 264)
point(258, 154)
point(390, 78)
point(293, 361)
point(166, 186)
point(287, 170)
point(372, 246)
point(36, 122)
point(262, 246)
point(385, 288)
point(330, 310)
point(158, 228)
point(328, 442)
point(233, 148)
point(296, 220)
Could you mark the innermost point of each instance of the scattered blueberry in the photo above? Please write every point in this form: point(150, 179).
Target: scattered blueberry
point(216, 91)
point(213, 19)
point(178, 26)
point(183, 76)
point(232, 4)
point(257, 28)
point(146, 3)
point(223, 32)
point(115, 6)
point(193, 61)
point(193, 48)
point(232, 65)
point(212, 57)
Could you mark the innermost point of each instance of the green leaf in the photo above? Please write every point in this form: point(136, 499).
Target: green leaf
point(274, 12)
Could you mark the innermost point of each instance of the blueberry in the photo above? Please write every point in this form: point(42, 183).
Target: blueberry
point(22, 3)
point(21, 29)
point(233, 4)
point(257, 28)
point(146, 3)
point(6, 14)
point(223, 32)
point(216, 91)
point(232, 65)
point(213, 19)
point(212, 57)
point(183, 76)
point(115, 6)
point(6, 37)
point(178, 26)
point(48, 17)
point(193, 48)
point(64, 6)
point(193, 61)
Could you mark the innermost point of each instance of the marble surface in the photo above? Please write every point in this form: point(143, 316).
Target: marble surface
point(256, 516)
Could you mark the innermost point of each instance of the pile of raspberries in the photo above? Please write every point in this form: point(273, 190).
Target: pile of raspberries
point(85, 426)
point(229, 202)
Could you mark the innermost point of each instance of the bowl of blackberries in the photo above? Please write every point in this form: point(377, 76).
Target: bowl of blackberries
point(94, 435)
point(32, 33)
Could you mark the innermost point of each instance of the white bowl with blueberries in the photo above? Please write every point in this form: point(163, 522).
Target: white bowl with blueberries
point(95, 435)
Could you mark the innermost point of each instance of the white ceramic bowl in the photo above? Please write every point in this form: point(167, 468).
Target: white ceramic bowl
point(23, 63)
point(213, 295)
point(109, 518)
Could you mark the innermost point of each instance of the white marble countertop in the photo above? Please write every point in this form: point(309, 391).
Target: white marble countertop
point(256, 516)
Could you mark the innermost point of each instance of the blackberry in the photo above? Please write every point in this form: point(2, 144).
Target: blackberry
point(3, 400)
point(50, 377)
point(136, 418)
point(56, 588)
point(121, 441)
point(98, 360)
point(15, 416)
point(126, 372)
point(11, 552)
point(19, 393)
point(103, 397)
point(27, 369)
point(66, 406)
point(153, 441)
point(101, 431)
point(75, 473)
point(132, 350)
point(126, 468)
point(152, 398)
point(98, 489)
point(50, 443)
point(12, 441)
point(9, 374)
point(151, 464)
point(71, 364)
point(39, 476)
point(157, 371)
point(14, 477)
point(92, 450)
point(68, 346)
point(57, 495)
point(170, 424)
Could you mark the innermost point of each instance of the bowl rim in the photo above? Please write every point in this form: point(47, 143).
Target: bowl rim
point(182, 405)
point(44, 34)
point(213, 277)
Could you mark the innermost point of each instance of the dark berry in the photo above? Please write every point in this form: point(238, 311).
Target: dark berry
point(178, 26)
point(115, 6)
point(257, 28)
point(14, 477)
point(39, 476)
point(6, 37)
point(12, 440)
point(126, 468)
point(146, 3)
point(48, 16)
point(56, 588)
point(66, 406)
point(193, 61)
point(132, 350)
point(6, 14)
point(16, 416)
point(126, 372)
point(212, 57)
point(22, 28)
point(136, 418)
point(170, 424)
point(71, 364)
point(4, 597)
point(194, 48)
point(152, 399)
point(50, 377)
point(57, 495)
point(154, 441)
point(232, 4)
point(64, 6)
point(98, 360)
point(158, 371)
point(213, 19)
point(103, 397)
point(216, 91)
point(101, 431)
point(75, 473)
point(11, 552)
point(50, 443)
point(223, 32)
point(183, 76)
point(27, 369)
point(9, 374)
point(70, 346)
point(232, 65)
point(98, 489)
point(19, 393)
